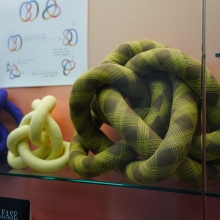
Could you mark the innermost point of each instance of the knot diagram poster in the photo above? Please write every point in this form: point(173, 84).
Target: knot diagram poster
point(43, 42)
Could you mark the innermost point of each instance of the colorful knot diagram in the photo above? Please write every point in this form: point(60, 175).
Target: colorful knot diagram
point(52, 10)
point(29, 11)
point(70, 37)
point(68, 66)
point(14, 72)
point(37, 142)
point(14, 111)
point(14, 42)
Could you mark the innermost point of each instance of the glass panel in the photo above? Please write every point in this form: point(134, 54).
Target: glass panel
point(172, 26)
point(110, 179)
point(213, 63)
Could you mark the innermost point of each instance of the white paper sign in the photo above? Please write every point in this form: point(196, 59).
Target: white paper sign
point(42, 42)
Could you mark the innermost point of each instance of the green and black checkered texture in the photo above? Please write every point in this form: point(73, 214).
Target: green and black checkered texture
point(151, 95)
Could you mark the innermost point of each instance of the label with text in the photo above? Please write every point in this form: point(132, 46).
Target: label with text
point(14, 209)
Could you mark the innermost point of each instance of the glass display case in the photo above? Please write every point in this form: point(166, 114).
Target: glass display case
point(174, 24)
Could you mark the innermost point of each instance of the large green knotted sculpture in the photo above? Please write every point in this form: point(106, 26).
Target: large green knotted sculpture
point(151, 95)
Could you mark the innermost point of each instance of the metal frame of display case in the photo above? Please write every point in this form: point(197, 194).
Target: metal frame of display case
point(203, 113)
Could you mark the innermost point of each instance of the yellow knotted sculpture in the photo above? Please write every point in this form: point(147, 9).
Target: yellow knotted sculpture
point(38, 127)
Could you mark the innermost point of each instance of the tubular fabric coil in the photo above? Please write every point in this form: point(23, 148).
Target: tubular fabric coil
point(157, 123)
point(38, 127)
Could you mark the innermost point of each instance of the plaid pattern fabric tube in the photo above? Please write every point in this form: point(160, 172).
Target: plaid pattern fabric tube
point(150, 94)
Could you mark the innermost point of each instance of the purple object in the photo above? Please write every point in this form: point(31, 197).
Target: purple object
point(14, 111)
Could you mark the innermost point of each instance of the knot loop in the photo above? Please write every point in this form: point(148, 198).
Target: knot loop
point(51, 152)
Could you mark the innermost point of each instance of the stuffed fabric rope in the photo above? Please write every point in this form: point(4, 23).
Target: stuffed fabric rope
point(188, 69)
point(158, 125)
point(173, 148)
point(51, 153)
point(120, 153)
point(12, 110)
